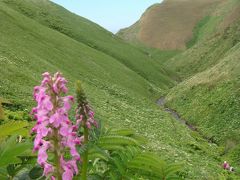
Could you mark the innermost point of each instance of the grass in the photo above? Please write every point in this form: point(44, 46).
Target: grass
point(93, 36)
point(208, 96)
point(207, 26)
point(196, 31)
point(121, 80)
point(153, 28)
point(206, 53)
point(34, 51)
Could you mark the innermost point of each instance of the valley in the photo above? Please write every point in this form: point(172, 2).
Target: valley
point(176, 85)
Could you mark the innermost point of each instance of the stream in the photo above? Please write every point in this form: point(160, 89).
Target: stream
point(162, 102)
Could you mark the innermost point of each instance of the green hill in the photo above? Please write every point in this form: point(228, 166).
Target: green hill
point(208, 96)
point(93, 36)
point(121, 80)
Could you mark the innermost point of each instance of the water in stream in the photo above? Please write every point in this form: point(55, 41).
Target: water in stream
point(162, 102)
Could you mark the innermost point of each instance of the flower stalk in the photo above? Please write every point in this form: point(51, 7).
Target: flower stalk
point(85, 114)
point(55, 133)
point(85, 154)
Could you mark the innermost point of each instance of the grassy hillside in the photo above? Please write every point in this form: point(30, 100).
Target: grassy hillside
point(209, 95)
point(169, 25)
point(119, 79)
point(217, 38)
point(92, 35)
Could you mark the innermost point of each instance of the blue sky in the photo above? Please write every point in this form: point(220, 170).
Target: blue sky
point(111, 14)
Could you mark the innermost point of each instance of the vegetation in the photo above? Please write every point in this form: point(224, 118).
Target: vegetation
point(92, 36)
point(196, 31)
point(208, 97)
point(57, 139)
point(122, 82)
point(153, 28)
point(1, 112)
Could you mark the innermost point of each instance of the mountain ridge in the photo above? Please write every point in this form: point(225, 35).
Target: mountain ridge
point(154, 29)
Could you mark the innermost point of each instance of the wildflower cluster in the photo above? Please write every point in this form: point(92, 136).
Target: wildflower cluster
point(55, 133)
point(84, 113)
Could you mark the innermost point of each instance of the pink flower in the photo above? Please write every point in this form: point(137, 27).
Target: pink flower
point(48, 168)
point(70, 168)
point(73, 165)
point(88, 124)
point(91, 114)
point(42, 156)
point(53, 126)
point(67, 175)
point(64, 130)
point(68, 100)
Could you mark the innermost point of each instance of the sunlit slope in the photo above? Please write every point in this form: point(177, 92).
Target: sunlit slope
point(209, 94)
point(92, 35)
point(215, 39)
point(169, 25)
point(28, 49)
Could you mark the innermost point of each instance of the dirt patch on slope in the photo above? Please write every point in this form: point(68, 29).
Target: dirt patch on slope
point(231, 18)
point(170, 25)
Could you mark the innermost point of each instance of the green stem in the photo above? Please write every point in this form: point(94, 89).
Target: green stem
point(56, 143)
point(57, 155)
point(85, 154)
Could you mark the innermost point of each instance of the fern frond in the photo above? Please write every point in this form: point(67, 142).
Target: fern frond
point(122, 132)
point(3, 173)
point(171, 169)
point(10, 150)
point(111, 147)
point(117, 140)
point(149, 159)
point(127, 158)
point(142, 140)
point(145, 164)
point(14, 128)
point(118, 164)
point(95, 152)
point(145, 168)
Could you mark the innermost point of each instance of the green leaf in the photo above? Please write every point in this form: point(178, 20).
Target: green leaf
point(111, 147)
point(117, 140)
point(10, 150)
point(122, 132)
point(11, 169)
point(36, 172)
point(3, 173)
point(95, 152)
point(171, 169)
point(14, 128)
point(133, 162)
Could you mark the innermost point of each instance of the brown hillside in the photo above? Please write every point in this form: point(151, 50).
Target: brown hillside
point(169, 25)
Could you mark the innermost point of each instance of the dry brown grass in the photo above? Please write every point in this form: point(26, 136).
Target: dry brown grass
point(170, 25)
point(231, 18)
